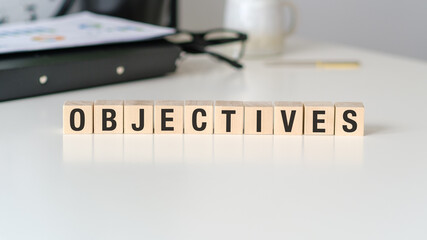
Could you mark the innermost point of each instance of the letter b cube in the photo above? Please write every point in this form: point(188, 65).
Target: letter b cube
point(108, 116)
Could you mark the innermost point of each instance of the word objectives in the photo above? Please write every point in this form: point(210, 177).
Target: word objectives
point(205, 117)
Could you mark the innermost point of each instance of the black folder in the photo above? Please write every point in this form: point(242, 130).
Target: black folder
point(30, 74)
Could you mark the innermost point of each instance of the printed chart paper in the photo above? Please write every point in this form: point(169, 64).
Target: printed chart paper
point(79, 29)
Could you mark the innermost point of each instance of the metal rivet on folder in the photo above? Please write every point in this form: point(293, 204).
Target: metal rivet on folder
point(43, 79)
point(120, 70)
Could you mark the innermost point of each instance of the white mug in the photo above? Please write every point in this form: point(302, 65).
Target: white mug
point(264, 21)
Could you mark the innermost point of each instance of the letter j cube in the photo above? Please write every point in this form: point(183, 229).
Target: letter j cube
point(138, 117)
point(108, 116)
point(78, 117)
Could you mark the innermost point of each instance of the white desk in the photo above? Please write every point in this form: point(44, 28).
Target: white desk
point(226, 187)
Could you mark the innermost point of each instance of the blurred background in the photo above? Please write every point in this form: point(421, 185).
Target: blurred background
point(389, 26)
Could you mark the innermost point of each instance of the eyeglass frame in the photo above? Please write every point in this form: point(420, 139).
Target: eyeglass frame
point(198, 44)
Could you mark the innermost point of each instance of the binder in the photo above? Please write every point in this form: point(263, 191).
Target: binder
point(37, 73)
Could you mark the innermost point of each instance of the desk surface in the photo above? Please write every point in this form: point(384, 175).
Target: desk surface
point(226, 187)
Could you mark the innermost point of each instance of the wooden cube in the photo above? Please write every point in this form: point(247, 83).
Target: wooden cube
point(228, 117)
point(288, 118)
point(108, 116)
point(258, 118)
point(138, 117)
point(198, 117)
point(319, 118)
point(78, 117)
point(349, 119)
point(169, 117)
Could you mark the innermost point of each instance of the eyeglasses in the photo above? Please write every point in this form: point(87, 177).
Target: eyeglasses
point(223, 44)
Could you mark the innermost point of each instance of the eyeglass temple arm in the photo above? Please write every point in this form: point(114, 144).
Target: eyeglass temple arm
point(229, 61)
point(222, 41)
point(173, 8)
